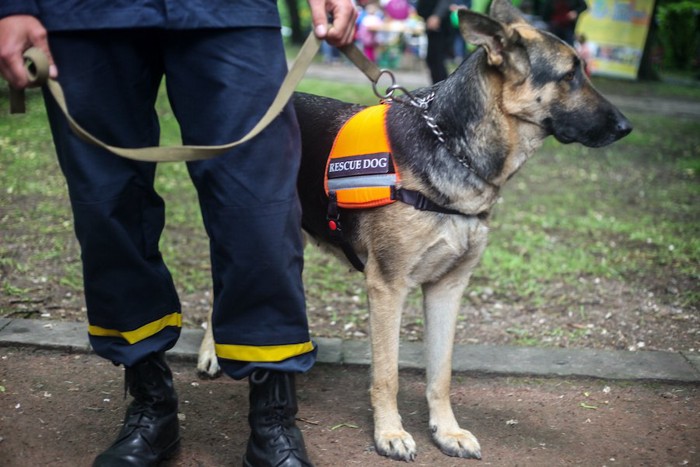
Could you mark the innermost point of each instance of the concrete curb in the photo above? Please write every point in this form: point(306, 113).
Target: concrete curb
point(480, 359)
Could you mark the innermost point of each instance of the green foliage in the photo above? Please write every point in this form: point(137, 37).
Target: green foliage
point(304, 16)
point(678, 31)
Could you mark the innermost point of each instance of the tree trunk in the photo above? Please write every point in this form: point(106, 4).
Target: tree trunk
point(647, 72)
point(297, 36)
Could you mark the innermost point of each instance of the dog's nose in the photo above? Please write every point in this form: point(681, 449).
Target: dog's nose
point(623, 127)
point(619, 125)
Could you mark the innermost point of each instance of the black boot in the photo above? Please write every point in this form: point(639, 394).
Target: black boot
point(150, 433)
point(275, 440)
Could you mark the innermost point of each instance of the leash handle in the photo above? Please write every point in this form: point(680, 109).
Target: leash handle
point(37, 66)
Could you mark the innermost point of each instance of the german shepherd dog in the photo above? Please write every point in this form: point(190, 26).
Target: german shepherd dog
point(521, 86)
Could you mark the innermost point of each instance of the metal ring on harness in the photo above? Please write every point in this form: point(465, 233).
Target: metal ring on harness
point(393, 87)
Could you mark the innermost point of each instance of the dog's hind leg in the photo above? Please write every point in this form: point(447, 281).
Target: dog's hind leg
point(207, 362)
point(442, 304)
point(386, 303)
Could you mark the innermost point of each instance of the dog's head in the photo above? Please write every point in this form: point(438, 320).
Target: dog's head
point(542, 78)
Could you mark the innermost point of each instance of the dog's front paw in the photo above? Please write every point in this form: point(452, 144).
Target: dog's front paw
point(398, 445)
point(460, 443)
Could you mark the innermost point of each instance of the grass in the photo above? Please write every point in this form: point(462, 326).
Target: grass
point(359, 93)
point(629, 212)
point(626, 211)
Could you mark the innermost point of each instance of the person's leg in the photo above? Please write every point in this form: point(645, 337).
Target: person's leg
point(435, 56)
point(111, 81)
point(220, 83)
point(569, 35)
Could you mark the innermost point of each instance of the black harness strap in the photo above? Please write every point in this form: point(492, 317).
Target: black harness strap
point(411, 197)
point(336, 232)
point(420, 202)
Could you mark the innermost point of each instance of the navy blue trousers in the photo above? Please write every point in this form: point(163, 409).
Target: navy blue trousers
point(219, 83)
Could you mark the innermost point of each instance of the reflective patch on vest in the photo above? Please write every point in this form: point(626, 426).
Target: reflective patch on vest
point(360, 168)
point(359, 165)
point(367, 180)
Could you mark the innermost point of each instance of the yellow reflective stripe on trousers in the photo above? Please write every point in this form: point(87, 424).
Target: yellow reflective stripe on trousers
point(139, 334)
point(265, 353)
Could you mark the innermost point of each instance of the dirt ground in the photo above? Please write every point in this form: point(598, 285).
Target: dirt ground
point(618, 315)
point(60, 409)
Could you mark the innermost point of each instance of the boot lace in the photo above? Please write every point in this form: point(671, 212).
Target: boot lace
point(278, 419)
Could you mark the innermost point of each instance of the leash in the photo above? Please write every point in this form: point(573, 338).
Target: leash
point(37, 68)
point(37, 65)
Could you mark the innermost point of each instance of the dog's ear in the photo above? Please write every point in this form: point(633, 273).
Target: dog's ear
point(505, 12)
point(493, 35)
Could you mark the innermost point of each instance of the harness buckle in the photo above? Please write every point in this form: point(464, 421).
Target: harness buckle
point(421, 203)
point(333, 215)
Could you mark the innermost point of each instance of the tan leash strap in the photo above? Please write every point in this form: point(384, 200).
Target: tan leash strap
point(17, 100)
point(360, 60)
point(37, 61)
point(37, 69)
point(374, 73)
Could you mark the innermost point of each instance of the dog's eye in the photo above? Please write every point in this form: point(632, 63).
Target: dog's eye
point(569, 76)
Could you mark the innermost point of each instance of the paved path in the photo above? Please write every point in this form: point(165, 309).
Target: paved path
point(475, 359)
point(418, 78)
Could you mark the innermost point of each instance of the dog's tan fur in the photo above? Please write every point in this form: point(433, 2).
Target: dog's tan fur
point(403, 247)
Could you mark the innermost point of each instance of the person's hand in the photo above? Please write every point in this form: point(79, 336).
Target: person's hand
point(342, 29)
point(433, 23)
point(17, 34)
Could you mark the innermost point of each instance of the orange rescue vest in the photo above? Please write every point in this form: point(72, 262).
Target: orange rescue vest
point(360, 171)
